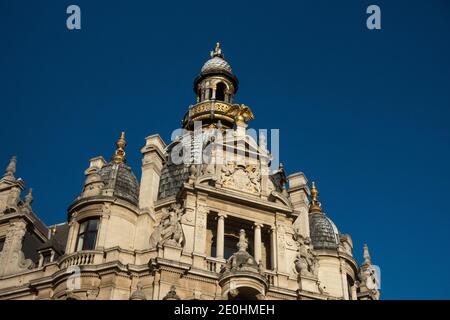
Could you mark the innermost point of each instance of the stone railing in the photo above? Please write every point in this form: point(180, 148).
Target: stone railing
point(214, 264)
point(81, 258)
point(271, 277)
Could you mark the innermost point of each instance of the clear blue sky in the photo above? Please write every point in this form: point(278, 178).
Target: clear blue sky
point(364, 113)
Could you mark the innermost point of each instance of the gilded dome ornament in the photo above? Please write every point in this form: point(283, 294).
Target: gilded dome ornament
point(314, 206)
point(119, 155)
point(217, 51)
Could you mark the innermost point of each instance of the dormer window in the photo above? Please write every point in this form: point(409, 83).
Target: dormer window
point(87, 234)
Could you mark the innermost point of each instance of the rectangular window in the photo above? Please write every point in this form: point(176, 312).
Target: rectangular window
point(87, 235)
point(47, 258)
point(2, 243)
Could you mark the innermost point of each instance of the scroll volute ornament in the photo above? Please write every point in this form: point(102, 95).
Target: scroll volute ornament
point(241, 113)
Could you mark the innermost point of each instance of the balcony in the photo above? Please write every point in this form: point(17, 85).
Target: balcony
point(81, 258)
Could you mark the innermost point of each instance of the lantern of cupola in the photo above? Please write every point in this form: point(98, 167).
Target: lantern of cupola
point(216, 80)
point(215, 88)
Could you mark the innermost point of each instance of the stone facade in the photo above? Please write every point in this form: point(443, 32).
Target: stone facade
point(208, 220)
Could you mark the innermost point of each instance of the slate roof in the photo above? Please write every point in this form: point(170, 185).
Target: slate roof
point(323, 232)
point(122, 180)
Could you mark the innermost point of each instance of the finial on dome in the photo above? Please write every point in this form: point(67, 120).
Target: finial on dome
point(11, 168)
point(217, 51)
point(367, 259)
point(119, 155)
point(314, 206)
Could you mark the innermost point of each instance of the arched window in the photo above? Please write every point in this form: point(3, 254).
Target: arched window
point(220, 91)
point(87, 234)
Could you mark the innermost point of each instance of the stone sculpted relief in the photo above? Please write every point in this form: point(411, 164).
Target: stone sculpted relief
point(244, 178)
point(12, 259)
point(241, 259)
point(13, 198)
point(305, 263)
point(169, 230)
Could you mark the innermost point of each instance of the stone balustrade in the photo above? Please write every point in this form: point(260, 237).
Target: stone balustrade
point(81, 258)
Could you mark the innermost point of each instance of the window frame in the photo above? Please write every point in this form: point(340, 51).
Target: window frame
point(86, 234)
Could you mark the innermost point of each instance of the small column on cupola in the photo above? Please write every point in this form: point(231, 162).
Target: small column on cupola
point(298, 193)
point(153, 159)
point(93, 184)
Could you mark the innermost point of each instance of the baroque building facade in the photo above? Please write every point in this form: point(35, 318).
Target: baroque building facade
point(208, 220)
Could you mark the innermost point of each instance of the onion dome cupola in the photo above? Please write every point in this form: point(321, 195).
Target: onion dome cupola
point(323, 232)
point(117, 176)
point(215, 88)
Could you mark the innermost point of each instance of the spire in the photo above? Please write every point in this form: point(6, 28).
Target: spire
point(367, 259)
point(119, 155)
point(243, 242)
point(217, 51)
point(29, 197)
point(11, 168)
point(314, 206)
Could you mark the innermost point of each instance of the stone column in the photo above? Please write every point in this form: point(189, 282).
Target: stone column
point(354, 293)
point(102, 232)
point(344, 281)
point(220, 235)
point(257, 241)
point(273, 248)
point(72, 238)
point(201, 213)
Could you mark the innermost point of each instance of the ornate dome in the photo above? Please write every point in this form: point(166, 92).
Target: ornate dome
point(323, 232)
point(216, 64)
point(120, 178)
